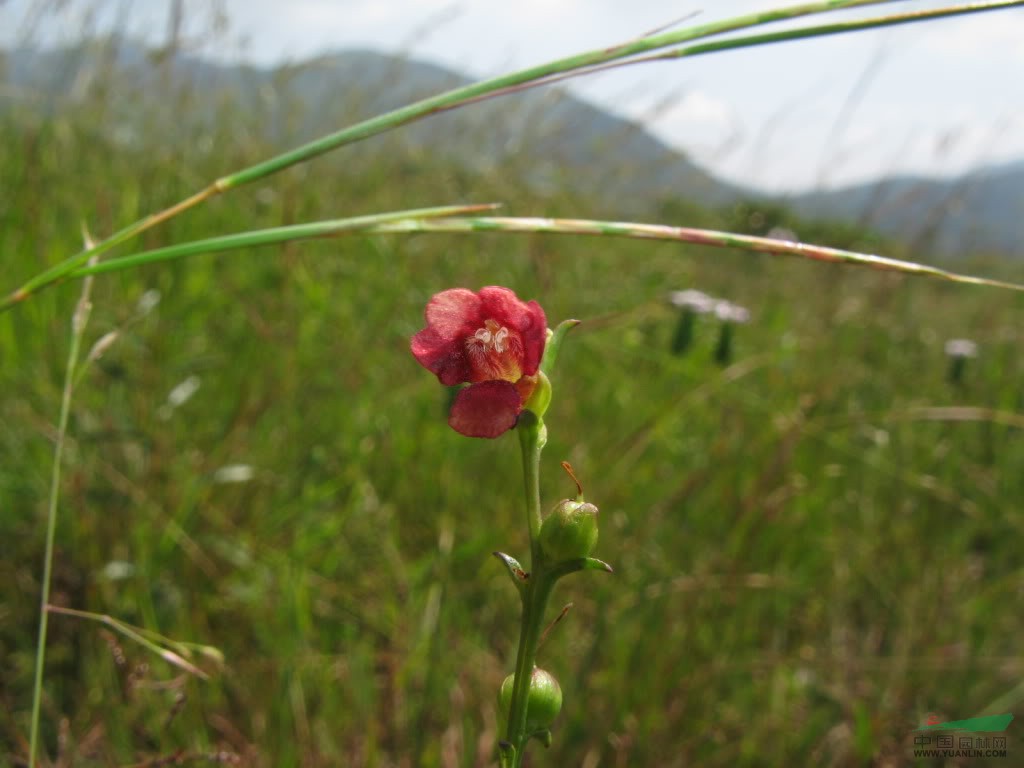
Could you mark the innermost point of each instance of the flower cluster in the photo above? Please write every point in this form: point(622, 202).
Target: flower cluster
point(490, 340)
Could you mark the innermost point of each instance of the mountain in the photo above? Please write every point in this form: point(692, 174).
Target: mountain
point(980, 212)
point(552, 136)
point(548, 137)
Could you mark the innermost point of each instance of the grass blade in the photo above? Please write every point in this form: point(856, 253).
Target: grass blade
point(406, 222)
point(786, 35)
point(273, 236)
point(452, 99)
point(138, 635)
point(686, 235)
point(79, 320)
point(459, 96)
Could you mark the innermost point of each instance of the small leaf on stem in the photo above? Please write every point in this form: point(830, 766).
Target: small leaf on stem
point(555, 343)
point(515, 570)
point(581, 564)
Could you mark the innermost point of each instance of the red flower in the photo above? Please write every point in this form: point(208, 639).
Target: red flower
point(490, 340)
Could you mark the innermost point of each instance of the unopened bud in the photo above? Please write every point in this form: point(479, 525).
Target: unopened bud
point(543, 701)
point(570, 531)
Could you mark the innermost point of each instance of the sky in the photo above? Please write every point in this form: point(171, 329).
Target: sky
point(939, 98)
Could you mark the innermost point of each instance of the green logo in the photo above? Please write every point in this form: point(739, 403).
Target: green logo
point(987, 723)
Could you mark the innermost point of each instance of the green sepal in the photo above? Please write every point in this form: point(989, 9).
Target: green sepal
point(580, 564)
point(544, 737)
point(555, 343)
point(541, 397)
point(515, 570)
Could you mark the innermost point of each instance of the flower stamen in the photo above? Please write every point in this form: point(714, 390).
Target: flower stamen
point(495, 352)
point(492, 336)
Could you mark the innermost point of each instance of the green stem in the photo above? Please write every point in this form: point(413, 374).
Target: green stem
point(78, 324)
point(532, 437)
point(535, 601)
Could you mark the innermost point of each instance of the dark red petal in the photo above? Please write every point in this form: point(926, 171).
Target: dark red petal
point(453, 313)
point(534, 333)
point(527, 319)
point(444, 357)
point(487, 409)
point(500, 303)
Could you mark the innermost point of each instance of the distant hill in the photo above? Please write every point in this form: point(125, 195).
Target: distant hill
point(549, 136)
point(980, 212)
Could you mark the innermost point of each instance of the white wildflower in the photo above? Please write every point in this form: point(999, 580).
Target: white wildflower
point(234, 473)
point(728, 312)
point(105, 342)
point(147, 302)
point(178, 396)
point(961, 348)
point(695, 301)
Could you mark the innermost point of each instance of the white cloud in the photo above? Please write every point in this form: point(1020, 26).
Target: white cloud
point(698, 108)
point(999, 33)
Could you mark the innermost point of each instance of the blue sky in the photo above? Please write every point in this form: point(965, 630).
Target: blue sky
point(938, 98)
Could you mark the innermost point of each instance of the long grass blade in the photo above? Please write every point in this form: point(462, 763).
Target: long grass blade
point(274, 235)
point(709, 237)
point(453, 99)
point(782, 36)
point(134, 633)
point(404, 222)
point(79, 320)
point(459, 96)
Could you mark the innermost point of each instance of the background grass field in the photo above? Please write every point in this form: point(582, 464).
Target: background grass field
point(814, 546)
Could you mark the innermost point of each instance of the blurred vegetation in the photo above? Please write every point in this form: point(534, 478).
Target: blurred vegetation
point(814, 546)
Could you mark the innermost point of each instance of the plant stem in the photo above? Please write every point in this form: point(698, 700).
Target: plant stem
point(535, 601)
point(532, 437)
point(78, 323)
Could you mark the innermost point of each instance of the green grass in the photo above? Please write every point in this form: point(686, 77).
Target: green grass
point(807, 561)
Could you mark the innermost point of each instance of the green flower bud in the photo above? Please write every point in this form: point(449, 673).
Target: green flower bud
point(543, 702)
point(570, 531)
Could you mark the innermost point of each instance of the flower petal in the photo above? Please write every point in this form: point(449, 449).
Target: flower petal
point(453, 313)
point(441, 356)
point(534, 333)
point(487, 409)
